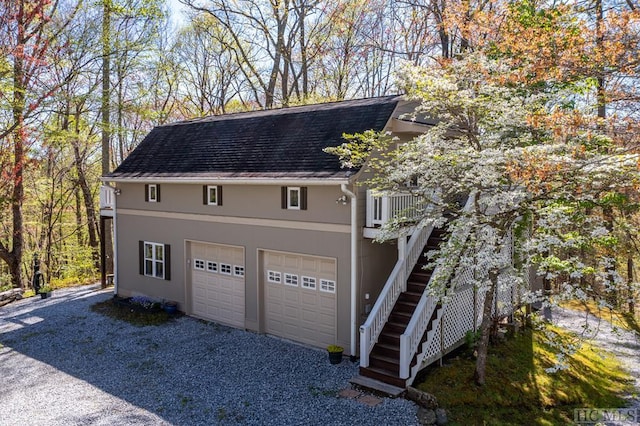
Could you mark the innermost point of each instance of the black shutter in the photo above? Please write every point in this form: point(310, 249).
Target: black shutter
point(205, 194)
point(158, 193)
point(283, 198)
point(141, 256)
point(146, 192)
point(303, 198)
point(167, 262)
point(219, 194)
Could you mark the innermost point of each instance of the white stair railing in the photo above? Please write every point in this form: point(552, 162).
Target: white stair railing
point(412, 336)
point(395, 285)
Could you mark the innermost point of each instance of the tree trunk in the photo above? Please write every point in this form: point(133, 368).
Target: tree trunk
point(106, 119)
point(485, 330)
point(632, 304)
point(19, 137)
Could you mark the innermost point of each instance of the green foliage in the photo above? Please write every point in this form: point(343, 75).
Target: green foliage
point(136, 317)
point(518, 389)
point(359, 148)
point(335, 349)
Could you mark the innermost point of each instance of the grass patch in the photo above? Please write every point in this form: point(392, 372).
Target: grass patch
point(622, 320)
point(123, 313)
point(519, 391)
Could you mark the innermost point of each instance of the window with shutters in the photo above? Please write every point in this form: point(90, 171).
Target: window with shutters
point(294, 197)
point(212, 195)
point(154, 260)
point(152, 193)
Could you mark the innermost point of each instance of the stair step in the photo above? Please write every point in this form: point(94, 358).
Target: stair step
point(384, 362)
point(420, 273)
point(410, 296)
point(400, 318)
point(415, 287)
point(383, 376)
point(386, 350)
point(405, 306)
point(377, 386)
point(389, 337)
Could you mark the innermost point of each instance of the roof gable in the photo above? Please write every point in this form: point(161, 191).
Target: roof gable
point(286, 142)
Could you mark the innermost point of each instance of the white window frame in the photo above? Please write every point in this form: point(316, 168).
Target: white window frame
point(199, 264)
point(238, 271)
point(215, 189)
point(212, 267)
point(327, 286)
point(274, 277)
point(296, 189)
point(152, 189)
point(291, 279)
point(154, 259)
point(225, 268)
point(309, 283)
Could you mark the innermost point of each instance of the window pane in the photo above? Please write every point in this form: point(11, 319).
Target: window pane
point(159, 269)
point(294, 198)
point(159, 252)
point(213, 198)
point(148, 251)
point(152, 192)
point(148, 267)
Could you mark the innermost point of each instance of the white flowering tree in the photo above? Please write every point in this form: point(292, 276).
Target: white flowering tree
point(530, 173)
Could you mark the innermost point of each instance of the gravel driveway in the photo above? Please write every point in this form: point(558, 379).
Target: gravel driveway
point(61, 364)
point(625, 345)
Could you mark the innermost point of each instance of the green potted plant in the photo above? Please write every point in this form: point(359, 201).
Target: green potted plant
point(45, 291)
point(335, 354)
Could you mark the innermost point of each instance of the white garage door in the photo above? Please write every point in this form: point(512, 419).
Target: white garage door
point(300, 297)
point(217, 283)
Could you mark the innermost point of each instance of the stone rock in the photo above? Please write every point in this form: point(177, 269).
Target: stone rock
point(421, 398)
point(10, 295)
point(441, 417)
point(426, 416)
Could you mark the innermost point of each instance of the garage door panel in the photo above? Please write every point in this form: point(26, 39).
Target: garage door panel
point(300, 313)
point(215, 296)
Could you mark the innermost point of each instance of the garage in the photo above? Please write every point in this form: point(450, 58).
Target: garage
point(300, 297)
point(218, 283)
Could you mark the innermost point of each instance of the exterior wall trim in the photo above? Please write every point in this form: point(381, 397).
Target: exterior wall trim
point(286, 224)
point(229, 181)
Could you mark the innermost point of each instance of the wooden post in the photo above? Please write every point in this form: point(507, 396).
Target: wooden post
point(103, 257)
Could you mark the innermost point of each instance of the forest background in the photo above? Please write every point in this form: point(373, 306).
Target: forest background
point(82, 82)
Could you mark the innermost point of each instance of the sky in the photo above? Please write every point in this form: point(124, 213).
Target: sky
point(177, 8)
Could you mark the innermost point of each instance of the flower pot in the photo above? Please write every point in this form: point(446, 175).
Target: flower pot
point(171, 308)
point(335, 357)
point(45, 295)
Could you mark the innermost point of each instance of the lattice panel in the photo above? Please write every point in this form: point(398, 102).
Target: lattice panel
point(433, 348)
point(458, 318)
point(463, 278)
point(504, 302)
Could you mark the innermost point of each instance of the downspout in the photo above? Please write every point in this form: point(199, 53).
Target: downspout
point(354, 268)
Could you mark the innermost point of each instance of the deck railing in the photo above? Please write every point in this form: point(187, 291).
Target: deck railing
point(107, 198)
point(382, 208)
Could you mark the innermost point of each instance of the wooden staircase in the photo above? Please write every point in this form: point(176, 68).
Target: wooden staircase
point(384, 359)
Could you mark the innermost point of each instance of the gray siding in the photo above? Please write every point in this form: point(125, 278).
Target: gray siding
point(248, 201)
point(177, 232)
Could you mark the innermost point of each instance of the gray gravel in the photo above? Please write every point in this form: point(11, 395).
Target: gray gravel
point(61, 364)
point(625, 345)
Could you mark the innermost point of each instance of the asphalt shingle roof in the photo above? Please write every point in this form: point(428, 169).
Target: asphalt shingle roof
point(285, 142)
